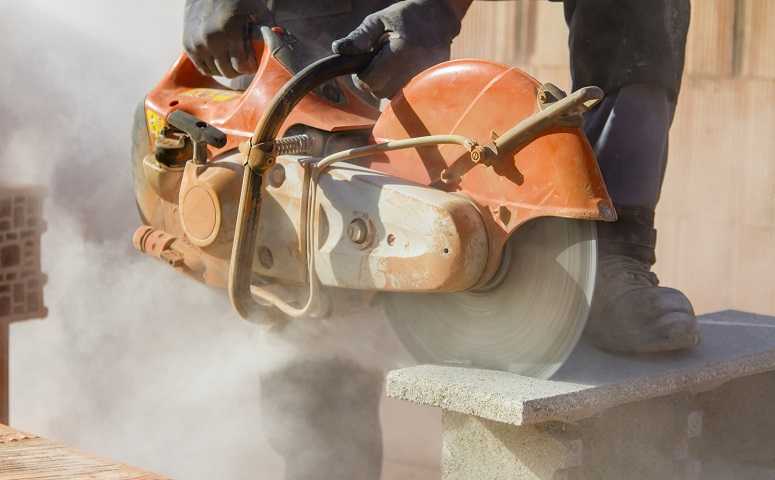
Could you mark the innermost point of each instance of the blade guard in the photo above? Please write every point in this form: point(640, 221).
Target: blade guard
point(556, 175)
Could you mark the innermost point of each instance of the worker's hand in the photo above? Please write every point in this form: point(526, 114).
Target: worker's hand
point(410, 36)
point(216, 35)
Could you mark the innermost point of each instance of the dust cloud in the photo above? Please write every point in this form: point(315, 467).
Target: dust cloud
point(134, 362)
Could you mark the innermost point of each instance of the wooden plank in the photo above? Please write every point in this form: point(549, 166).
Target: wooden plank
point(493, 31)
point(757, 30)
point(559, 76)
point(703, 175)
point(753, 158)
point(4, 370)
point(753, 282)
point(711, 42)
point(718, 203)
point(547, 34)
point(29, 457)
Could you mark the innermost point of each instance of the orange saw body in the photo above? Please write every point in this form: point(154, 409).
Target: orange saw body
point(474, 184)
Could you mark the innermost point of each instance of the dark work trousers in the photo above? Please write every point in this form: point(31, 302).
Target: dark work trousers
point(634, 50)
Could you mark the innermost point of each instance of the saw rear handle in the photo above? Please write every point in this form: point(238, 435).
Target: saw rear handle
point(259, 157)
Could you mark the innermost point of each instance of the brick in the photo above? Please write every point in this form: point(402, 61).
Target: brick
point(21, 279)
point(711, 42)
point(757, 31)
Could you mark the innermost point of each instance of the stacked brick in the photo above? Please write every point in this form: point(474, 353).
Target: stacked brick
point(717, 214)
point(21, 280)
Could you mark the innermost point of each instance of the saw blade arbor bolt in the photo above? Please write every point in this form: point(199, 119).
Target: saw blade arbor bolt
point(358, 231)
point(277, 176)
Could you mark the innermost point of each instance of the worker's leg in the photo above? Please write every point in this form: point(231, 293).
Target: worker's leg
point(629, 132)
point(635, 51)
point(322, 416)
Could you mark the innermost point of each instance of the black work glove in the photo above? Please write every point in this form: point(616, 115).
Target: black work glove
point(216, 35)
point(411, 36)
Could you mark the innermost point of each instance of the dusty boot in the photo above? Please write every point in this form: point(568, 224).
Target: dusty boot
point(630, 312)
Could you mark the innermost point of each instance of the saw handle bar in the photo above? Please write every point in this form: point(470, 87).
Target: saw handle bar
point(536, 125)
point(566, 111)
point(258, 158)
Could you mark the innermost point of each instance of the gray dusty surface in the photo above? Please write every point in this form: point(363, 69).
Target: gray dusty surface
point(735, 344)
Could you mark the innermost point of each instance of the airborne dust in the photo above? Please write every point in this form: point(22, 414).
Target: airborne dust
point(134, 362)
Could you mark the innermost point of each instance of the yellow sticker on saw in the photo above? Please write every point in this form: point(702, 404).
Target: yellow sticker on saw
point(156, 122)
point(211, 94)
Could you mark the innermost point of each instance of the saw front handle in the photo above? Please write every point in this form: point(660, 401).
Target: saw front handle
point(259, 157)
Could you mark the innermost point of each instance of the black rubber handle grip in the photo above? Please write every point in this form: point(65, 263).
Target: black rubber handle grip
point(302, 84)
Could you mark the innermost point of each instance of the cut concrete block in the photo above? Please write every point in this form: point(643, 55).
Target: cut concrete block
point(739, 427)
point(475, 448)
point(735, 344)
point(609, 416)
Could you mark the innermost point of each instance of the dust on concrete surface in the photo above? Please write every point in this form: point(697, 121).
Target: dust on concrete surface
point(134, 362)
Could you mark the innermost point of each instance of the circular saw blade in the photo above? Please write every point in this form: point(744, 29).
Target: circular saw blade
point(528, 323)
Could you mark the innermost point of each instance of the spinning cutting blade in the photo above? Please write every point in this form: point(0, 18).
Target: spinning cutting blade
point(527, 322)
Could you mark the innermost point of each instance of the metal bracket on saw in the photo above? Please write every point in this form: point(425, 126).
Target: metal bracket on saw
point(258, 161)
point(498, 154)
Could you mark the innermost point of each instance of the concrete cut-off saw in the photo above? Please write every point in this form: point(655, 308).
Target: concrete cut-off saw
point(465, 207)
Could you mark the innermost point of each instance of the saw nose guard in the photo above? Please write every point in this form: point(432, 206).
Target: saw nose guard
point(259, 154)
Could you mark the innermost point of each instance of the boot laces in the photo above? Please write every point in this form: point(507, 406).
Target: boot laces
point(628, 269)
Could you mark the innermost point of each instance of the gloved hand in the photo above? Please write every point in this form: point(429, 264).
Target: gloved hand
point(411, 35)
point(216, 35)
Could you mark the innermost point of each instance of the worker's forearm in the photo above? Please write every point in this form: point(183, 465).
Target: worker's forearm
point(460, 7)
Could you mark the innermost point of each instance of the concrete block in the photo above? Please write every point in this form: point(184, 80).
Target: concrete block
point(639, 441)
point(687, 415)
point(644, 440)
point(739, 427)
point(735, 345)
point(475, 448)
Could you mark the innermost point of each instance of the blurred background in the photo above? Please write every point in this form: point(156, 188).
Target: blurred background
point(136, 365)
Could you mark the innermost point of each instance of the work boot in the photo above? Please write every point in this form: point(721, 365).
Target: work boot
point(630, 312)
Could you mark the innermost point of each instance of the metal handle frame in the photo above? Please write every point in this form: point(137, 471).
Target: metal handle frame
point(259, 157)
